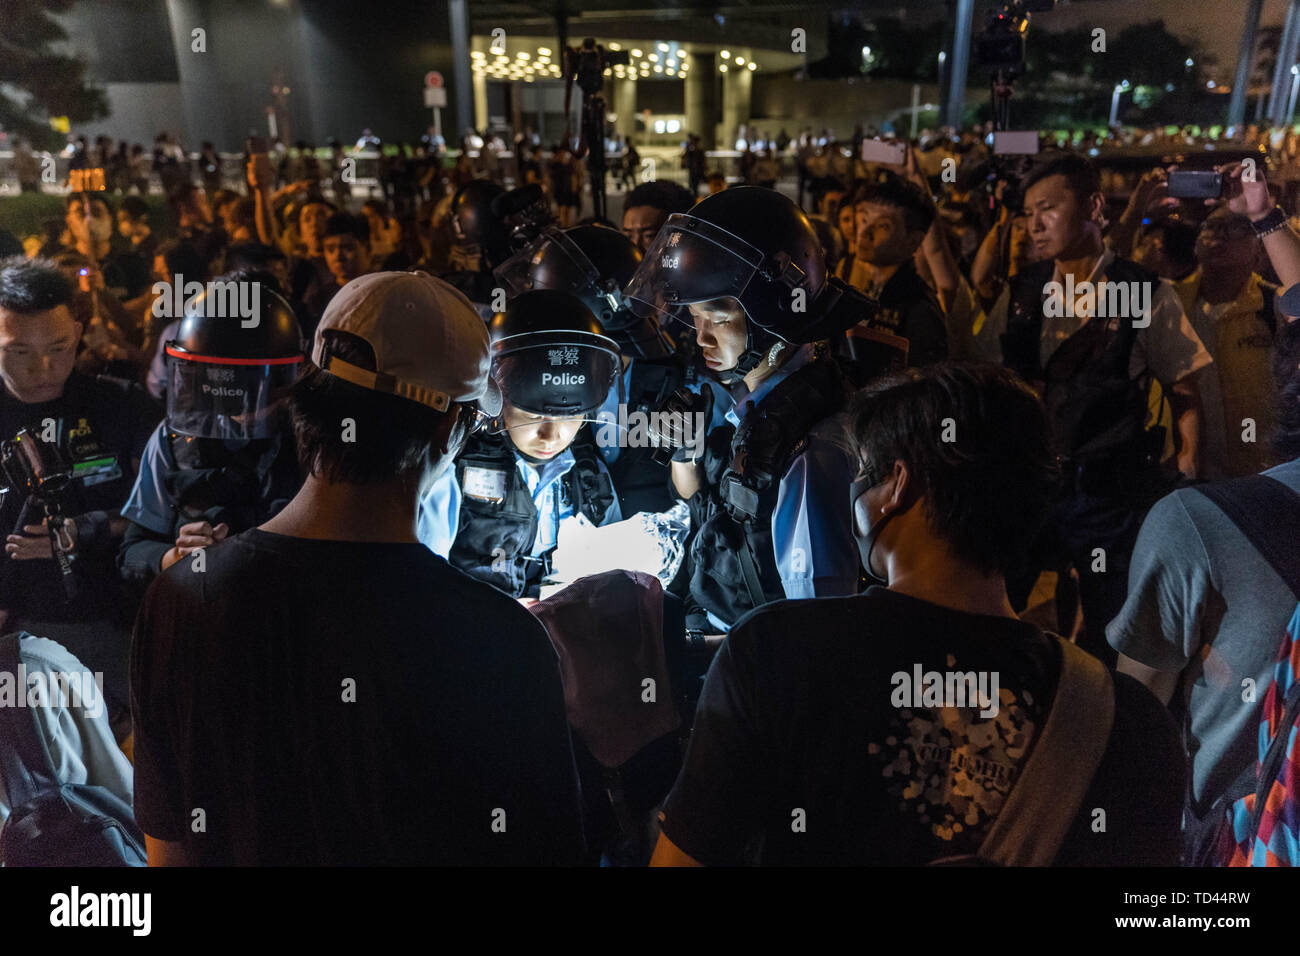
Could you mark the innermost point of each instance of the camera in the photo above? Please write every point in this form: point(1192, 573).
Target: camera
point(586, 64)
point(1001, 47)
point(39, 470)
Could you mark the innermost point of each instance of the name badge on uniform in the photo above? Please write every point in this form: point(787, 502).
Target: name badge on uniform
point(96, 471)
point(485, 484)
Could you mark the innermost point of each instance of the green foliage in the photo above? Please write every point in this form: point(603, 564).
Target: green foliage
point(35, 81)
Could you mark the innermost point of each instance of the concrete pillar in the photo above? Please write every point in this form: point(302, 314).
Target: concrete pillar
point(1245, 65)
point(702, 98)
point(1285, 59)
point(959, 63)
point(480, 116)
point(461, 85)
point(624, 100)
point(199, 79)
point(737, 85)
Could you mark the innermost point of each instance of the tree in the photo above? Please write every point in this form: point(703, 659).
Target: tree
point(37, 81)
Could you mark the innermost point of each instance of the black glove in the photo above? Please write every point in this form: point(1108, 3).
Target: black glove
point(694, 411)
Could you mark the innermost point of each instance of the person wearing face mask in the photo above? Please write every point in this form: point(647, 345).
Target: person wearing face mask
point(90, 220)
point(746, 270)
point(497, 516)
point(330, 652)
point(829, 705)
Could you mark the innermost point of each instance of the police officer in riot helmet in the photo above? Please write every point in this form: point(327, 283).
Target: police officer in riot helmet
point(482, 240)
point(745, 269)
point(595, 262)
point(223, 459)
point(498, 513)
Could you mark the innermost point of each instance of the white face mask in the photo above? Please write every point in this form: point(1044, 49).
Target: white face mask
point(100, 229)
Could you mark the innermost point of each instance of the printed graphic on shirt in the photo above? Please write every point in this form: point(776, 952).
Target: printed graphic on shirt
point(951, 769)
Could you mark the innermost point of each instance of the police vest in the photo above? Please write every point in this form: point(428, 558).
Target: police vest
point(498, 518)
point(1097, 412)
point(642, 482)
point(733, 563)
point(242, 488)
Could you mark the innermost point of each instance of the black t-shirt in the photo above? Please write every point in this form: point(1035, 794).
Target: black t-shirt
point(329, 702)
point(101, 426)
point(910, 308)
point(802, 725)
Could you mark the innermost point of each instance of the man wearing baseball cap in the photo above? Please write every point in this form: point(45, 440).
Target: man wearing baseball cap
point(324, 689)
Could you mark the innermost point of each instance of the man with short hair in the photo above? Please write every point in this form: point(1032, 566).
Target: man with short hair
point(326, 689)
point(891, 218)
point(647, 208)
point(1055, 325)
point(347, 255)
point(97, 428)
point(814, 742)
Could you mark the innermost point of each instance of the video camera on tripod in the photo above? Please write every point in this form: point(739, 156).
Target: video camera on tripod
point(585, 65)
point(39, 470)
point(1001, 48)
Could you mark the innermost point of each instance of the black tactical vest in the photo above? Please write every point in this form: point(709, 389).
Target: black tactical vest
point(733, 563)
point(1097, 412)
point(242, 488)
point(498, 519)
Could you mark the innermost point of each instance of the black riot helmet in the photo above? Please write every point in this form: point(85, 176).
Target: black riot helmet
point(758, 247)
point(550, 355)
point(593, 262)
point(476, 224)
point(236, 350)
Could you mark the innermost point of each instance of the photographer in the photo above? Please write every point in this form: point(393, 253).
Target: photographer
point(745, 268)
point(95, 430)
point(497, 515)
point(1093, 371)
point(217, 465)
point(482, 242)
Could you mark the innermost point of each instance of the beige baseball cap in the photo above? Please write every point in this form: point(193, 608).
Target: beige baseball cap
point(430, 345)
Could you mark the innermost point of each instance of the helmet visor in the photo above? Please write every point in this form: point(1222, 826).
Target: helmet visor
point(551, 261)
point(562, 377)
point(691, 261)
point(216, 399)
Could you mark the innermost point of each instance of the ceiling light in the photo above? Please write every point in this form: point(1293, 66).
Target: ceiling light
point(615, 47)
point(664, 47)
point(654, 57)
point(544, 51)
point(658, 68)
point(722, 68)
point(524, 56)
point(753, 65)
point(636, 52)
point(740, 61)
point(725, 54)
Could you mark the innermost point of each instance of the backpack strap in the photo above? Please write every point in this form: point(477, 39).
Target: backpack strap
point(1046, 798)
point(1267, 512)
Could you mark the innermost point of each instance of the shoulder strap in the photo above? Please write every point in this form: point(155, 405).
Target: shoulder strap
point(1046, 798)
point(1267, 512)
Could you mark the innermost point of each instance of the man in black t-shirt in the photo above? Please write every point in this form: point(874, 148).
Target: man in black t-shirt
point(821, 736)
point(325, 690)
point(98, 428)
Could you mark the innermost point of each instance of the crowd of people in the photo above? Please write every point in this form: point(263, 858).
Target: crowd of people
point(961, 417)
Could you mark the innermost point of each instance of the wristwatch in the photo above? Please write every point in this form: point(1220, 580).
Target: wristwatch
point(1275, 220)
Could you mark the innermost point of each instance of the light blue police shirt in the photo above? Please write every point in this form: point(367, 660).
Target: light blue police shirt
point(812, 533)
point(439, 517)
